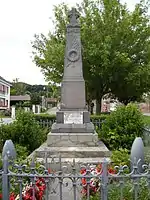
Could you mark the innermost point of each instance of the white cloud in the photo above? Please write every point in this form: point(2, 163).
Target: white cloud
point(19, 21)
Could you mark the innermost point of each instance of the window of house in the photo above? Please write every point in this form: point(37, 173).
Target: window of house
point(2, 102)
point(0, 87)
point(6, 103)
point(3, 88)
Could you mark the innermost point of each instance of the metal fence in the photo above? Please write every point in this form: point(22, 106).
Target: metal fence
point(48, 123)
point(72, 181)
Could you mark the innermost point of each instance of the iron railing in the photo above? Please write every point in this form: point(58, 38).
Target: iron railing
point(64, 181)
point(48, 123)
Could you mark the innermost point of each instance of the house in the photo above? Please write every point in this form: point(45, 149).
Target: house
point(51, 102)
point(4, 94)
point(19, 99)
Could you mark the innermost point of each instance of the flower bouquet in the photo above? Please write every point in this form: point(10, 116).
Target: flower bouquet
point(92, 186)
point(27, 194)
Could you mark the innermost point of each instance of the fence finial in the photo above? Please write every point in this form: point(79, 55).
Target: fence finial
point(9, 150)
point(137, 151)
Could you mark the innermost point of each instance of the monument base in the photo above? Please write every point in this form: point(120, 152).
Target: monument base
point(81, 155)
point(83, 148)
point(72, 140)
point(73, 152)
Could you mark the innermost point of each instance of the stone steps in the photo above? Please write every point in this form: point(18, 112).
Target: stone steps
point(56, 160)
point(67, 163)
point(73, 152)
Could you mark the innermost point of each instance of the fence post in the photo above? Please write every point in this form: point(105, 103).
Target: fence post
point(5, 179)
point(104, 180)
point(137, 152)
point(8, 155)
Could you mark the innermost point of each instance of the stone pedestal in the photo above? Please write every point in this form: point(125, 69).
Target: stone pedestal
point(75, 121)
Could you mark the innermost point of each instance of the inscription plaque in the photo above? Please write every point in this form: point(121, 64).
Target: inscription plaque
point(73, 118)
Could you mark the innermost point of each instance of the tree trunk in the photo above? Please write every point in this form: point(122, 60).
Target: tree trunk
point(98, 106)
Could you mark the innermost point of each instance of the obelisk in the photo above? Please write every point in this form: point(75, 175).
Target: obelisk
point(73, 116)
point(73, 85)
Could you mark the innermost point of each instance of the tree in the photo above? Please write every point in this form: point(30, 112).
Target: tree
point(35, 99)
point(18, 88)
point(115, 48)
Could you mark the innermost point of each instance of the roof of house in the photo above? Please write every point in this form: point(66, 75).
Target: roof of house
point(20, 98)
point(1, 78)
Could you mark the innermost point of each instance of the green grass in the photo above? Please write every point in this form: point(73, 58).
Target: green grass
point(147, 120)
point(2, 116)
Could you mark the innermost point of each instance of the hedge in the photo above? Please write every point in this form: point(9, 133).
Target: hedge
point(46, 117)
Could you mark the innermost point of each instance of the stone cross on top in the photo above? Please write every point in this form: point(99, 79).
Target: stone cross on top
point(73, 15)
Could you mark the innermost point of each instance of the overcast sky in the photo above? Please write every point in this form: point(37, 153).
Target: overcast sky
point(19, 21)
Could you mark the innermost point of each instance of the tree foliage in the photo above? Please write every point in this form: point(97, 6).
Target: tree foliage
point(18, 88)
point(35, 99)
point(115, 48)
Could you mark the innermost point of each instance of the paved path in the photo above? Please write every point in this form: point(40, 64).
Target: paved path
point(6, 120)
point(147, 114)
point(52, 111)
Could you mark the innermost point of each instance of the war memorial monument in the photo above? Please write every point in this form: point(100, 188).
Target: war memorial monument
point(73, 136)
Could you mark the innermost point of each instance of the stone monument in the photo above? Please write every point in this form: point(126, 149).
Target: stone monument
point(73, 118)
point(73, 135)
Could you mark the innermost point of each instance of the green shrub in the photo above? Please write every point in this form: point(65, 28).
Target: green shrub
point(100, 117)
point(6, 133)
point(25, 131)
point(127, 190)
point(147, 154)
point(22, 152)
point(5, 113)
point(120, 157)
point(44, 117)
point(121, 127)
point(146, 120)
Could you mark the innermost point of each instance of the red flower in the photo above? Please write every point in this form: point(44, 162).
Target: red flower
point(83, 171)
point(112, 171)
point(39, 189)
point(94, 185)
point(12, 196)
point(83, 180)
